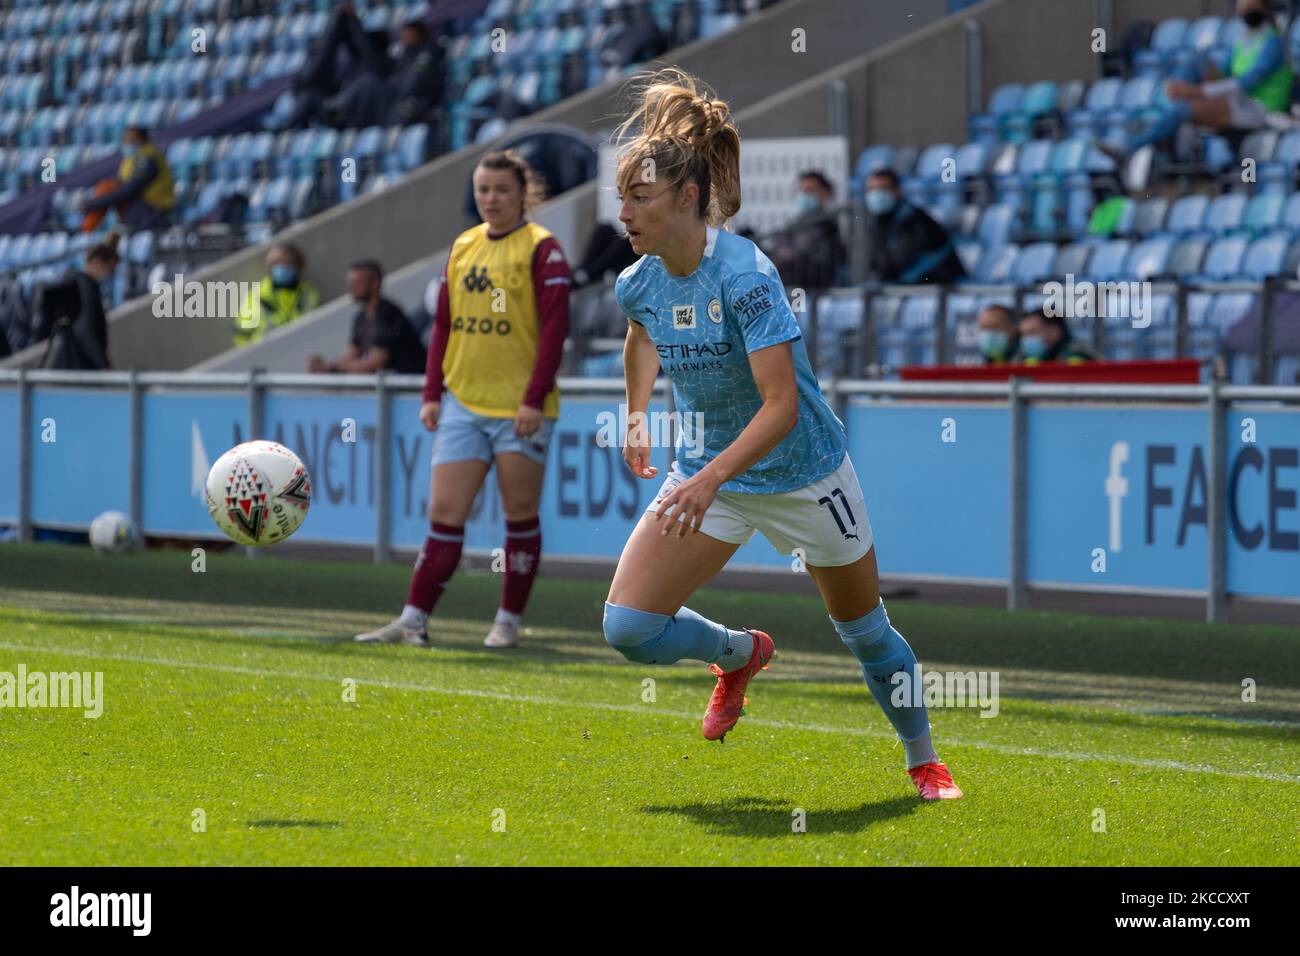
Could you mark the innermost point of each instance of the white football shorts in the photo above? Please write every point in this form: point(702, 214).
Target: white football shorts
point(826, 521)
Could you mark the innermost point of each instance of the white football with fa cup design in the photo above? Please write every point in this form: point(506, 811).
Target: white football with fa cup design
point(258, 493)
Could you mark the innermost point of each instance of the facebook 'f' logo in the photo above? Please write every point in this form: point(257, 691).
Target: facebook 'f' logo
point(1116, 490)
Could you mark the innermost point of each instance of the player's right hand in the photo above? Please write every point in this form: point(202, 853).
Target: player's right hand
point(638, 459)
point(429, 415)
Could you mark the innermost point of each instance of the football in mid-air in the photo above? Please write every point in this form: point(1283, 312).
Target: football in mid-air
point(258, 493)
point(111, 533)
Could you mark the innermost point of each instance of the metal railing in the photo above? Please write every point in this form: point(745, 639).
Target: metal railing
point(1017, 393)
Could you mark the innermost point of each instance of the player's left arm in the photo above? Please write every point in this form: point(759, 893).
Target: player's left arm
point(551, 285)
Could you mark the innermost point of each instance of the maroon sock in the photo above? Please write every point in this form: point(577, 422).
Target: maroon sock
point(435, 565)
point(523, 552)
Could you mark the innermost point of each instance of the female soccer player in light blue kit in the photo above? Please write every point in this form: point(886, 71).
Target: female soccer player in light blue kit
point(709, 307)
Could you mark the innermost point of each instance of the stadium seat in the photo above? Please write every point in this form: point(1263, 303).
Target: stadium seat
point(1039, 100)
point(995, 265)
point(1107, 263)
point(1263, 213)
point(987, 127)
point(1168, 37)
point(1034, 263)
point(1223, 259)
point(1225, 214)
point(996, 225)
point(1265, 258)
point(1073, 259)
point(1149, 259)
point(1187, 214)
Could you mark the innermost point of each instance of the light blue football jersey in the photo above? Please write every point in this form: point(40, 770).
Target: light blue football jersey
point(704, 326)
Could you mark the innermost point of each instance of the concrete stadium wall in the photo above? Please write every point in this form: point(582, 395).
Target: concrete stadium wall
point(399, 225)
point(325, 331)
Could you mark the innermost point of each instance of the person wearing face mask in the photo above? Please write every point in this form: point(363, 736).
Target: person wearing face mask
point(282, 296)
point(907, 246)
point(1242, 87)
point(808, 252)
point(1046, 338)
point(143, 192)
point(999, 339)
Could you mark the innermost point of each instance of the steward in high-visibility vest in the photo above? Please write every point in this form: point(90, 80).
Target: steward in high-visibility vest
point(282, 296)
point(143, 192)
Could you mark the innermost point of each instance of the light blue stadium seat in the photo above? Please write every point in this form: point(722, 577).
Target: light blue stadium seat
point(302, 197)
point(1034, 264)
point(1291, 213)
point(1149, 259)
point(1137, 98)
point(1072, 259)
point(987, 126)
point(140, 248)
point(1039, 100)
point(1099, 101)
point(1264, 213)
point(1225, 213)
point(995, 265)
point(1278, 172)
point(929, 166)
point(1167, 37)
point(918, 319)
point(1108, 260)
point(1223, 259)
point(412, 147)
point(1187, 257)
point(1264, 258)
point(1187, 214)
point(1203, 34)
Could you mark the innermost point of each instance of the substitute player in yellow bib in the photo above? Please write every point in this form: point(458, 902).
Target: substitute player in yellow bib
point(490, 395)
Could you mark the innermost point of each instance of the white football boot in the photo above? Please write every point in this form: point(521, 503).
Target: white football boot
point(395, 632)
point(503, 634)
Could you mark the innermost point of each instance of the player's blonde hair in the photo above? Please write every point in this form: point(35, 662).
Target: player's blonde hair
point(679, 132)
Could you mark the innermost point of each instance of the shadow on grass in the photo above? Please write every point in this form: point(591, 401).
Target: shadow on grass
point(769, 817)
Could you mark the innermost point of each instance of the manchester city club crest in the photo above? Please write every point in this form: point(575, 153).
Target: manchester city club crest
point(715, 311)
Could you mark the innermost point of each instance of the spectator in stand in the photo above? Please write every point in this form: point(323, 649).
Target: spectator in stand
point(906, 245)
point(1046, 338)
point(381, 336)
point(376, 90)
point(809, 251)
point(1242, 88)
point(143, 192)
point(70, 313)
point(607, 253)
point(999, 339)
point(283, 295)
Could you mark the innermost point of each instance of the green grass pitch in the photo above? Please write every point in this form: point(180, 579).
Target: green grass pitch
point(224, 692)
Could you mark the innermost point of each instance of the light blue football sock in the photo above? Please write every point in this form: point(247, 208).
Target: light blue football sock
point(883, 653)
point(649, 638)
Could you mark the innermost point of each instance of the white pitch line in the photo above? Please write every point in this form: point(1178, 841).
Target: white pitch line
point(1144, 762)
